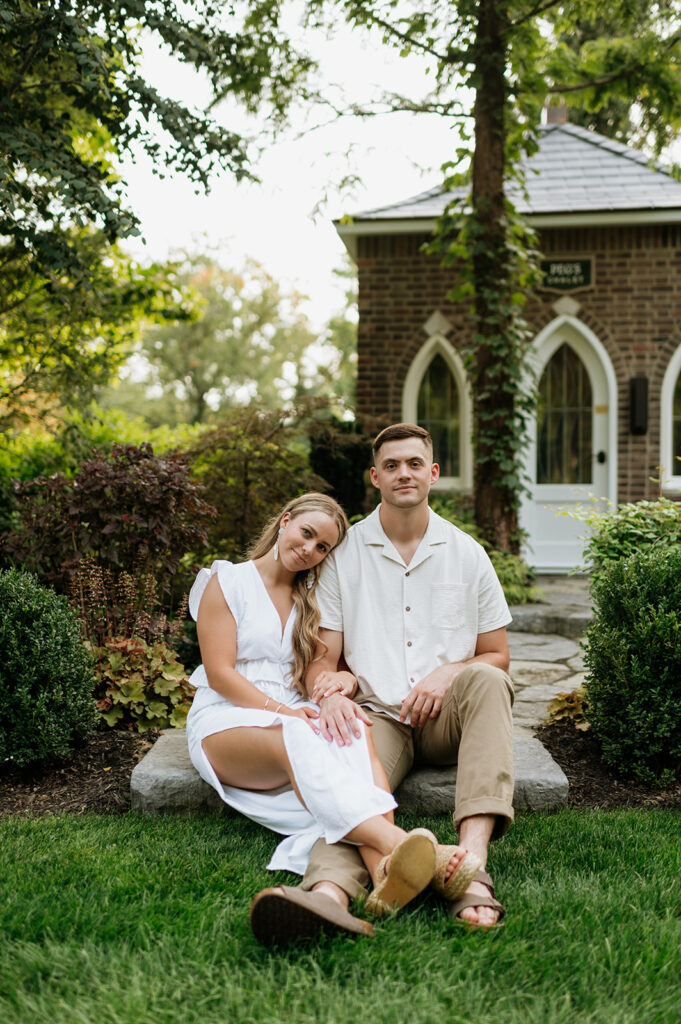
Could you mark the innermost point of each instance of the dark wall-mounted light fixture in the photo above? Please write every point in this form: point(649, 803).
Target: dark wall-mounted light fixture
point(638, 405)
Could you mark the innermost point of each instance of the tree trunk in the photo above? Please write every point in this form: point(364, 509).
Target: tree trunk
point(495, 502)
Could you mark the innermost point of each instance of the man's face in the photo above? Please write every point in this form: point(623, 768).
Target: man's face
point(404, 472)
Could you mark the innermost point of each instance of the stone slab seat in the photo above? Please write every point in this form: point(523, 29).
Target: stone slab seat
point(166, 782)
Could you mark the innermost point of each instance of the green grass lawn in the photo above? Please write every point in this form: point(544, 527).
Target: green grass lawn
point(129, 920)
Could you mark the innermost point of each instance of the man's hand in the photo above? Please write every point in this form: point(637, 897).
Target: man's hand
point(338, 719)
point(328, 682)
point(425, 699)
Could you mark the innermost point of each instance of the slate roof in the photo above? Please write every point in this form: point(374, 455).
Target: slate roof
point(575, 171)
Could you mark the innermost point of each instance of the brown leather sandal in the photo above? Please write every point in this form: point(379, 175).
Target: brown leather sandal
point(473, 900)
point(285, 914)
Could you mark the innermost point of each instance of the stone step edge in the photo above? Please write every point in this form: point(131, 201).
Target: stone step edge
point(544, 619)
point(166, 782)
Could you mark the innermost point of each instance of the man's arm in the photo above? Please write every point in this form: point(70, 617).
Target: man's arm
point(425, 698)
point(329, 687)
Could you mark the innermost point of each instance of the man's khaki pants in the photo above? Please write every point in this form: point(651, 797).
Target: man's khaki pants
point(473, 730)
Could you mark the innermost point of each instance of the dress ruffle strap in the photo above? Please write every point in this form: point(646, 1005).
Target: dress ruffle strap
point(200, 584)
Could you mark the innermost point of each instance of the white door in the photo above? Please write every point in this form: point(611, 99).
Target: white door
point(571, 456)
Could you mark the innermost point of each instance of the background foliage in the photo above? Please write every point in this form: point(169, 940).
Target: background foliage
point(129, 509)
point(250, 466)
point(630, 528)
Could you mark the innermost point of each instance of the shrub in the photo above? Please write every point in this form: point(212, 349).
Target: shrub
point(627, 530)
point(121, 604)
point(340, 452)
point(46, 680)
point(30, 453)
point(633, 660)
point(129, 509)
point(515, 575)
point(140, 685)
point(250, 466)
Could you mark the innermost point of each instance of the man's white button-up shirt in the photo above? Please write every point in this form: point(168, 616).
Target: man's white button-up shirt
point(401, 621)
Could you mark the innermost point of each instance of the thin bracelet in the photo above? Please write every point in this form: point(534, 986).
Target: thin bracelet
point(277, 708)
point(266, 703)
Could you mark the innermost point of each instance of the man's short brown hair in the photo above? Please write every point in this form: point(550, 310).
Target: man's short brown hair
point(398, 432)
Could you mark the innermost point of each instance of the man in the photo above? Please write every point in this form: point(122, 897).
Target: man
point(415, 608)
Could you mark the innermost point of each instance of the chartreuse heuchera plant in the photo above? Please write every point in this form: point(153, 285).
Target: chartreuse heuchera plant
point(140, 684)
point(139, 681)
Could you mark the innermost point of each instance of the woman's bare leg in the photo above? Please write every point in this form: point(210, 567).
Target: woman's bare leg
point(255, 758)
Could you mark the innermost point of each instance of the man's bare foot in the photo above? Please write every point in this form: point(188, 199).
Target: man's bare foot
point(475, 833)
point(479, 916)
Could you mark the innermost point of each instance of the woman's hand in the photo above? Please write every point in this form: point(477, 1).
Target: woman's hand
point(339, 719)
point(309, 715)
point(326, 683)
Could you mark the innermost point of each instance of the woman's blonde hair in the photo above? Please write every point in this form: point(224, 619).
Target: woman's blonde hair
point(306, 627)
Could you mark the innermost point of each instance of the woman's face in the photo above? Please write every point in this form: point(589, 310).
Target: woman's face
point(306, 539)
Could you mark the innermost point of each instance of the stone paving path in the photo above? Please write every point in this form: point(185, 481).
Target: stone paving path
point(541, 666)
point(544, 662)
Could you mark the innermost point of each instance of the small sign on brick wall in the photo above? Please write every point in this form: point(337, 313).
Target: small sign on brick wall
point(567, 273)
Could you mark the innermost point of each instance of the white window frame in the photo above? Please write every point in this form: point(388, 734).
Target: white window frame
point(671, 474)
point(437, 344)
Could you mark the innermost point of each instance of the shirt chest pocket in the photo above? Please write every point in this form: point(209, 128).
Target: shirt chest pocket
point(450, 605)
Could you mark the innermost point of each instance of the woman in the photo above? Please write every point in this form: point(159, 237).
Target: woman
point(253, 732)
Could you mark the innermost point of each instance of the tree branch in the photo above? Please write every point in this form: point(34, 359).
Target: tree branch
point(454, 57)
point(614, 77)
point(539, 9)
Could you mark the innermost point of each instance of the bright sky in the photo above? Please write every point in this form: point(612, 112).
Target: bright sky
point(396, 155)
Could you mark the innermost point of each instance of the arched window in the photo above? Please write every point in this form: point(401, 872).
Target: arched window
point(437, 409)
point(436, 397)
point(564, 421)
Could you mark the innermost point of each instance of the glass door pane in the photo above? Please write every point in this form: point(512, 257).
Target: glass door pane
point(564, 421)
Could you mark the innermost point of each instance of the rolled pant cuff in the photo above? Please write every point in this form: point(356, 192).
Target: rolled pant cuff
point(501, 809)
point(347, 883)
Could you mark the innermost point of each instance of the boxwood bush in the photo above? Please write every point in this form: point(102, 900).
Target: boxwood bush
point(633, 660)
point(47, 706)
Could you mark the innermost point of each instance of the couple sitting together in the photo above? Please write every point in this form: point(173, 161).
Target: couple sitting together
point(333, 661)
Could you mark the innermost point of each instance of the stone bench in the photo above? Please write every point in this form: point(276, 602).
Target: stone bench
point(166, 782)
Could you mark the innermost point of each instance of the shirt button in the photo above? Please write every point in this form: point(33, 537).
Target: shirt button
point(407, 609)
point(411, 680)
point(408, 643)
point(406, 574)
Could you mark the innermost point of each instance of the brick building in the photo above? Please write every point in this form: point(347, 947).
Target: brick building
point(606, 352)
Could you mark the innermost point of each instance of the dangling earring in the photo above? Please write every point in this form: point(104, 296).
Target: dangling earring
point(276, 544)
point(309, 579)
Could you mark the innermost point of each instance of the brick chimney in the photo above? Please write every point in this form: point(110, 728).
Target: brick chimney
point(556, 114)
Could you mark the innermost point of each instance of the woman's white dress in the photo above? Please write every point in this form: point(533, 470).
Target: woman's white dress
point(336, 782)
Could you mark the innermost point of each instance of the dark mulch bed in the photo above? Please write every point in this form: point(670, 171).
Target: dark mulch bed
point(592, 784)
point(97, 777)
